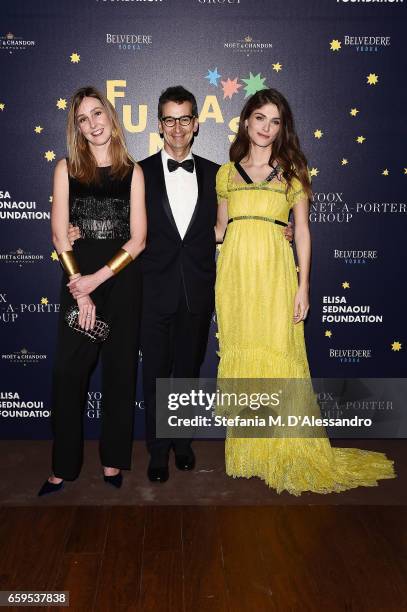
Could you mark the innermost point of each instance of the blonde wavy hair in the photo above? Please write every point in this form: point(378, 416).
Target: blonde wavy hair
point(81, 162)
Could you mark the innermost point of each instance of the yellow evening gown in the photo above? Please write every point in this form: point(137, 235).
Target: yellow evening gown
point(255, 289)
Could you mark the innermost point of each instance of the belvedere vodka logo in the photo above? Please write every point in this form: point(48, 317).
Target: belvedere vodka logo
point(350, 355)
point(355, 256)
point(130, 42)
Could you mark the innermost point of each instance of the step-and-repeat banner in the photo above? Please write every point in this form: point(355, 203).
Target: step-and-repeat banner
point(342, 66)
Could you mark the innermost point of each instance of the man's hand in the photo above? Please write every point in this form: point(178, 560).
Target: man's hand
point(288, 232)
point(73, 233)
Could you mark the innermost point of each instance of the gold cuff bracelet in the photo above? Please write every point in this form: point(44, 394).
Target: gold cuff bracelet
point(119, 261)
point(68, 262)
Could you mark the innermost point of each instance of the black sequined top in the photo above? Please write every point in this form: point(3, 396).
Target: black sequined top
point(101, 210)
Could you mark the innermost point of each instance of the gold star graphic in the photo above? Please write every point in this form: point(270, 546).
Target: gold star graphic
point(360, 139)
point(405, 170)
point(314, 172)
point(50, 199)
point(335, 45)
point(318, 134)
point(372, 79)
point(396, 346)
point(217, 335)
point(49, 155)
point(297, 268)
point(344, 161)
point(44, 300)
point(218, 247)
point(2, 106)
point(385, 172)
point(38, 129)
point(353, 112)
point(346, 285)
point(248, 39)
point(277, 66)
point(328, 333)
point(75, 58)
point(61, 104)
point(54, 256)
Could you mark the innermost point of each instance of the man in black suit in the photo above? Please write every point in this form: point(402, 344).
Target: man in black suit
point(178, 266)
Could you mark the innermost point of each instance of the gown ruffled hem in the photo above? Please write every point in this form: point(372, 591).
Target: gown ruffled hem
point(305, 465)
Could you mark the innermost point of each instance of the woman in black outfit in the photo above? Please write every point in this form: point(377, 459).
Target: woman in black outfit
point(99, 189)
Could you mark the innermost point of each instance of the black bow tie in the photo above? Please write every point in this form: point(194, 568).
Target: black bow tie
point(187, 164)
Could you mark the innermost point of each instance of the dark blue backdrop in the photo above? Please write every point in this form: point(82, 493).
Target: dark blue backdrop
point(341, 65)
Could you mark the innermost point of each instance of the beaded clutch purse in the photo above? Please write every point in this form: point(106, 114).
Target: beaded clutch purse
point(98, 334)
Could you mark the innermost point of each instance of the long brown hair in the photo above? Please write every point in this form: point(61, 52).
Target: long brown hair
point(286, 147)
point(81, 162)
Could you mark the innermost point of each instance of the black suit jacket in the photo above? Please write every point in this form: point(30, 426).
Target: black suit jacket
point(171, 264)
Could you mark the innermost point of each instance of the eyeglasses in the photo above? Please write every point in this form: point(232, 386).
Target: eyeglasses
point(171, 121)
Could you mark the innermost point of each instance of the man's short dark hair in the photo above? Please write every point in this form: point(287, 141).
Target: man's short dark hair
point(179, 95)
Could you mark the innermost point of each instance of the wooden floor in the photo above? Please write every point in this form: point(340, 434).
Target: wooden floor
point(212, 559)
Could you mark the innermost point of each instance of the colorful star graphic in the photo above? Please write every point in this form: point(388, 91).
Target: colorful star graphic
point(277, 66)
point(38, 129)
point(335, 45)
point(254, 84)
point(44, 300)
point(372, 79)
point(314, 172)
point(396, 346)
point(49, 155)
point(385, 172)
point(213, 76)
point(353, 112)
point(54, 256)
point(344, 161)
point(61, 104)
point(318, 134)
point(328, 333)
point(230, 87)
point(346, 285)
point(75, 58)
point(360, 139)
point(2, 106)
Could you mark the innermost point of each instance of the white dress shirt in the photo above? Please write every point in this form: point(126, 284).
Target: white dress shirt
point(182, 191)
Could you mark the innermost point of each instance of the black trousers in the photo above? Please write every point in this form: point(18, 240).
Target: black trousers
point(118, 301)
point(172, 345)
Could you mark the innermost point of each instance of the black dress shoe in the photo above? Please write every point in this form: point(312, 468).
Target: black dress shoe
point(157, 473)
point(50, 487)
point(115, 481)
point(185, 460)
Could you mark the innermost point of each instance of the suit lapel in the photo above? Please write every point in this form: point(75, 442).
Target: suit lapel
point(164, 195)
point(199, 179)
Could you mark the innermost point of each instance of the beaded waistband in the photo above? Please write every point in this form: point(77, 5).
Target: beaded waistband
point(269, 219)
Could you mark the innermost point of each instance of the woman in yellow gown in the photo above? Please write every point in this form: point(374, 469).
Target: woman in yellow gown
point(261, 303)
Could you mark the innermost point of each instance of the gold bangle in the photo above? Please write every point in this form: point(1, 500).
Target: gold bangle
point(68, 262)
point(119, 261)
